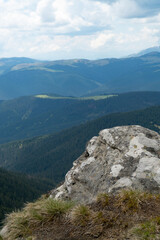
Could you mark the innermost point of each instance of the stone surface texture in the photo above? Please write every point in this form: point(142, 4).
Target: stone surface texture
point(120, 157)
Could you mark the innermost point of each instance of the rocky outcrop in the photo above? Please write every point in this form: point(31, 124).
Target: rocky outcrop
point(120, 157)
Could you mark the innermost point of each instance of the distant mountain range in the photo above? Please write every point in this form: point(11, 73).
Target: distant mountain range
point(146, 51)
point(27, 117)
point(23, 76)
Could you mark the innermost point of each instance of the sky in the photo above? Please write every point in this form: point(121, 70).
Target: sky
point(65, 29)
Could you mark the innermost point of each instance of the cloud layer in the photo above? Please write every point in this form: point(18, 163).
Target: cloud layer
point(55, 29)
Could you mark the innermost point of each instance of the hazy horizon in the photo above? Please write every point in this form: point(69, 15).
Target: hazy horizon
point(134, 54)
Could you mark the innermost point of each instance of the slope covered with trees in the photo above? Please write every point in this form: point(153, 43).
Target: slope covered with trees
point(17, 190)
point(51, 156)
point(27, 117)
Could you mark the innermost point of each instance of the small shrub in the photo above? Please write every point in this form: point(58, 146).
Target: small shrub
point(81, 215)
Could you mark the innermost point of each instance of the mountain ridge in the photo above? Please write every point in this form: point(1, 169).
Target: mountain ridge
point(78, 77)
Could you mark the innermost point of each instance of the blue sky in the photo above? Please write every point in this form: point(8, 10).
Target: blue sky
point(63, 29)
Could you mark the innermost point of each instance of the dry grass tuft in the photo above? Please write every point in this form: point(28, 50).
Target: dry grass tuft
point(103, 199)
point(22, 223)
point(133, 199)
point(81, 215)
point(18, 225)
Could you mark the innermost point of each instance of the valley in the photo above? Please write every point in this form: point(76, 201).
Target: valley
point(51, 156)
point(38, 115)
point(43, 132)
point(79, 120)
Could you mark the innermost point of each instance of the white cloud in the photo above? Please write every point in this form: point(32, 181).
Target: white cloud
point(140, 8)
point(45, 11)
point(101, 40)
point(128, 9)
point(134, 8)
point(84, 28)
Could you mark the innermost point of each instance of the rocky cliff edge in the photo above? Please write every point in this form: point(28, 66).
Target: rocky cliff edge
point(120, 157)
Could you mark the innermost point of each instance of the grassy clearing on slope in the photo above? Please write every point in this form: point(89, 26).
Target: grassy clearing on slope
point(44, 96)
point(24, 68)
point(96, 98)
point(131, 215)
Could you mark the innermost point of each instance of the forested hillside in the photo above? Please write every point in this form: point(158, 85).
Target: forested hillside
point(51, 156)
point(32, 116)
point(17, 190)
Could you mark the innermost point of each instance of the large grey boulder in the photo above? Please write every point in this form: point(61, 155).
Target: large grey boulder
point(120, 157)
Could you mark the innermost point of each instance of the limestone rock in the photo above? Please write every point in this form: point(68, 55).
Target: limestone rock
point(120, 157)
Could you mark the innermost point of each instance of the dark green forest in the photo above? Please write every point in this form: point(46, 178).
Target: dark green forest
point(51, 156)
point(17, 190)
point(28, 117)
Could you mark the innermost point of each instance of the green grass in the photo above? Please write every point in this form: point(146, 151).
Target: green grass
point(147, 230)
point(36, 68)
point(95, 98)
point(52, 97)
point(44, 69)
point(56, 208)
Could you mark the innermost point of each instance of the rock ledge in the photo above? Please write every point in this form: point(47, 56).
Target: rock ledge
point(120, 157)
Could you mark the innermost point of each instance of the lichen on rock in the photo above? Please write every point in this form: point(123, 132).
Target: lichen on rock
point(120, 157)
